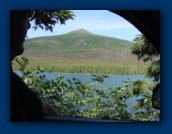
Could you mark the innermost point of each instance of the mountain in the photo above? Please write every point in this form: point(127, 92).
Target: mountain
point(80, 31)
point(79, 44)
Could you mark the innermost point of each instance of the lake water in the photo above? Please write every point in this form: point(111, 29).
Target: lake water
point(111, 81)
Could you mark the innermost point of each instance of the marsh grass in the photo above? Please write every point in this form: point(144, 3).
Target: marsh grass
point(88, 67)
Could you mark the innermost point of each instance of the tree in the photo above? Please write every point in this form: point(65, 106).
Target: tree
point(46, 19)
point(146, 51)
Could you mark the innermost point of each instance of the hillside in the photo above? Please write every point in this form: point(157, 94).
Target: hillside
point(79, 44)
point(81, 51)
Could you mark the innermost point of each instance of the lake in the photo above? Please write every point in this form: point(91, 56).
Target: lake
point(111, 81)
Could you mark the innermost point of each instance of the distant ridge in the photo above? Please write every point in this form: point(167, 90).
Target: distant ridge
point(78, 44)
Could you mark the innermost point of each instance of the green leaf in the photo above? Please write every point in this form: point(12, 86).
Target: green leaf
point(78, 82)
point(145, 100)
point(69, 81)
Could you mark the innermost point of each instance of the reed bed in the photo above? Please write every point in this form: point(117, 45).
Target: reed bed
point(88, 67)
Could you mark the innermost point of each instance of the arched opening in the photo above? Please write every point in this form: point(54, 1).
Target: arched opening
point(100, 55)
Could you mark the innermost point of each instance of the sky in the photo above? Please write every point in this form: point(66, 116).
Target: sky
point(100, 22)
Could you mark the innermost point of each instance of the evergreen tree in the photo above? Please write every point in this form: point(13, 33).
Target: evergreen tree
point(146, 51)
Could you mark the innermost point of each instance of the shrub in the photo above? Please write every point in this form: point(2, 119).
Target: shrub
point(77, 99)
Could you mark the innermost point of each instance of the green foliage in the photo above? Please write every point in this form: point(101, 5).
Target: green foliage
point(22, 62)
point(142, 87)
point(146, 112)
point(146, 51)
point(154, 70)
point(77, 99)
point(143, 49)
point(46, 19)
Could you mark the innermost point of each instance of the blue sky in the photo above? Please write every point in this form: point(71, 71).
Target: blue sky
point(101, 22)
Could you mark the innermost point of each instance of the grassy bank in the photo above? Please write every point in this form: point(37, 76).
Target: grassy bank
point(89, 67)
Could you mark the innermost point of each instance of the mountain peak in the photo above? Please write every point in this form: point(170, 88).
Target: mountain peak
point(81, 31)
